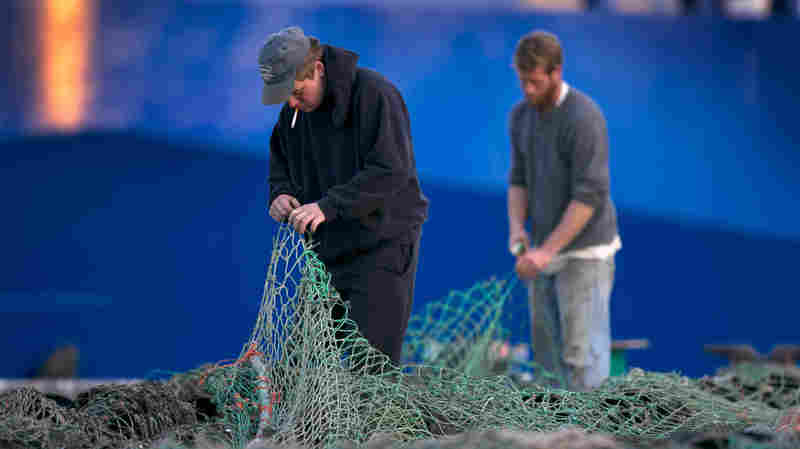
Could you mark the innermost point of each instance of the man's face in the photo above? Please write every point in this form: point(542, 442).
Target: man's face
point(307, 94)
point(540, 88)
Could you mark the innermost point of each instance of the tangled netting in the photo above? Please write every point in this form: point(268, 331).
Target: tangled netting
point(103, 417)
point(777, 386)
point(310, 378)
point(307, 377)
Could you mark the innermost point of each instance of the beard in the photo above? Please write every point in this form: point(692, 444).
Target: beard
point(546, 98)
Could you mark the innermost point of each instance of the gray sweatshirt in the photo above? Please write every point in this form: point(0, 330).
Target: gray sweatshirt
point(562, 155)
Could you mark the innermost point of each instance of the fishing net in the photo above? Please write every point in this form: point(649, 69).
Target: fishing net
point(103, 417)
point(306, 377)
point(774, 385)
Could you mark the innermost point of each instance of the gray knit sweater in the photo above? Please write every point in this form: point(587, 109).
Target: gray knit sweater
point(562, 155)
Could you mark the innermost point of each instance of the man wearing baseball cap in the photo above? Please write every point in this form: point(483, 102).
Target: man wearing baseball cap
point(342, 167)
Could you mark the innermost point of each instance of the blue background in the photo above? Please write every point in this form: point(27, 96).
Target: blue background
point(143, 238)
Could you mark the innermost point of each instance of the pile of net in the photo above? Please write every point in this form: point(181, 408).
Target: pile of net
point(771, 384)
point(103, 417)
point(307, 379)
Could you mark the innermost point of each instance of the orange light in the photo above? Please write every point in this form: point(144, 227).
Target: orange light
point(556, 5)
point(65, 31)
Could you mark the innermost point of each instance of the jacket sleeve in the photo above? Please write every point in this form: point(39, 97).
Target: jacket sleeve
point(279, 179)
point(386, 153)
point(590, 174)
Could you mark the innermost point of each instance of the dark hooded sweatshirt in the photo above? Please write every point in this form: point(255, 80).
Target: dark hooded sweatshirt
point(353, 155)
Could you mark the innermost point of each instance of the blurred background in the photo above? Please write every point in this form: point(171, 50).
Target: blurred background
point(134, 155)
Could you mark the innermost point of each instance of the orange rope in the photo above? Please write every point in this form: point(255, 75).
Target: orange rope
point(250, 353)
point(242, 402)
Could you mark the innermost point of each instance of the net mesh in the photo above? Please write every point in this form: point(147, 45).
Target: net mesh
point(774, 385)
point(103, 417)
point(306, 377)
point(311, 379)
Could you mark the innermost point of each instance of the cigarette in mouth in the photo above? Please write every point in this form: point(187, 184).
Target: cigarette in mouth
point(294, 119)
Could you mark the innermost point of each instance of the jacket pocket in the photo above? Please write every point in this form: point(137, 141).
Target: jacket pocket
point(395, 258)
point(374, 221)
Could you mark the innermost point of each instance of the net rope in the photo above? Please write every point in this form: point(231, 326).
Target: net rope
point(307, 377)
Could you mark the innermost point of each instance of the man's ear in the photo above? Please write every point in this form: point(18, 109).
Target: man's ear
point(557, 71)
point(320, 68)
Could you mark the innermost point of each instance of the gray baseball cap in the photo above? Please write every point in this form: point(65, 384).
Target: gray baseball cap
point(278, 61)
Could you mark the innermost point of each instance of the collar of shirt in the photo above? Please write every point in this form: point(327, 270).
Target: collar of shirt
point(564, 91)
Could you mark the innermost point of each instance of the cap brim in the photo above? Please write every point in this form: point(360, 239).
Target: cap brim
point(277, 93)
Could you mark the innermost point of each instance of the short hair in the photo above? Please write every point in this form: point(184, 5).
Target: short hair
point(538, 49)
point(306, 70)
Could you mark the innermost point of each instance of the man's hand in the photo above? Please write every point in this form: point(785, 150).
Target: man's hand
point(525, 269)
point(532, 262)
point(281, 207)
point(518, 242)
point(303, 216)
